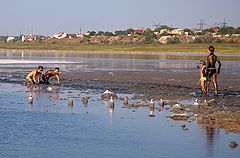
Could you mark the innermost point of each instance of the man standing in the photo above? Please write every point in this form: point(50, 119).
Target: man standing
point(211, 69)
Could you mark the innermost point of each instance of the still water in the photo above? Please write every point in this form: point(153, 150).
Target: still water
point(49, 128)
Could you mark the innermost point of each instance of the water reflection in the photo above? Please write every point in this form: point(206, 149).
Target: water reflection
point(122, 55)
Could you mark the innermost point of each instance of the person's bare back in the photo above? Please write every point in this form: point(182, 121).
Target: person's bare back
point(211, 69)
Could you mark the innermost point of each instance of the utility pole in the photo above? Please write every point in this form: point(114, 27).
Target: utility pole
point(201, 24)
point(156, 25)
point(224, 24)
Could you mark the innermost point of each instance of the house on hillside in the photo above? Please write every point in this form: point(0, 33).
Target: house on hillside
point(177, 32)
point(10, 39)
point(214, 28)
point(138, 31)
point(59, 35)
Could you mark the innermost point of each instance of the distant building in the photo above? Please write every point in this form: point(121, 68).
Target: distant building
point(177, 32)
point(59, 35)
point(30, 37)
point(138, 31)
point(214, 28)
point(10, 39)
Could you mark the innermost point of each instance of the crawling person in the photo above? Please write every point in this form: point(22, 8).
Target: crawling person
point(203, 79)
point(31, 77)
point(211, 69)
point(51, 73)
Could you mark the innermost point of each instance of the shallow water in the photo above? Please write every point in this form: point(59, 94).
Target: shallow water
point(49, 128)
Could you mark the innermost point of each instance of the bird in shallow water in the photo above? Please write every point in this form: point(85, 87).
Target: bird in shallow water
point(151, 104)
point(49, 89)
point(161, 104)
point(70, 102)
point(111, 102)
point(196, 102)
point(85, 99)
point(30, 99)
point(125, 102)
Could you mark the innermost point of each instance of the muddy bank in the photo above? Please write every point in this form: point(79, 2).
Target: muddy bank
point(223, 112)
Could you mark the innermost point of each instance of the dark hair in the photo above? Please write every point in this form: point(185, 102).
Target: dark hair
point(57, 68)
point(40, 67)
point(211, 48)
point(203, 62)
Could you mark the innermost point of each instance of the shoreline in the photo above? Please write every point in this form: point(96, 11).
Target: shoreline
point(111, 52)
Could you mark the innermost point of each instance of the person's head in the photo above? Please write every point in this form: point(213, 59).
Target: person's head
point(56, 70)
point(202, 62)
point(40, 68)
point(211, 49)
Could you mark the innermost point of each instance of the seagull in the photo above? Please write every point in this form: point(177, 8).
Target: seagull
point(70, 102)
point(161, 104)
point(111, 102)
point(196, 102)
point(151, 104)
point(30, 99)
point(49, 88)
point(85, 99)
point(125, 102)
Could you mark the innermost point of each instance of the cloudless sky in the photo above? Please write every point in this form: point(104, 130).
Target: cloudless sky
point(50, 16)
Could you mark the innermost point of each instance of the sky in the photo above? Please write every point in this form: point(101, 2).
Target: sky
point(47, 17)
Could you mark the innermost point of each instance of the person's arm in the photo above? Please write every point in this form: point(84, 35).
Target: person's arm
point(58, 79)
point(39, 77)
point(219, 65)
point(34, 76)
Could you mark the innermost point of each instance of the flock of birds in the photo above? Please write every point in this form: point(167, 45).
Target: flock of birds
point(85, 100)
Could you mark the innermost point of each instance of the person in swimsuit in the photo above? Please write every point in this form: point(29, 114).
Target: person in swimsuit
point(51, 73)
point(211, 69)
point(203, 79)
point(31, 77)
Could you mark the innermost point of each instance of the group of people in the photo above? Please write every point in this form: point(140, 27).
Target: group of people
point(209, 72)
point(42, 78)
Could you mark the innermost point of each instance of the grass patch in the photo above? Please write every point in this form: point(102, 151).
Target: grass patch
point(220, 48)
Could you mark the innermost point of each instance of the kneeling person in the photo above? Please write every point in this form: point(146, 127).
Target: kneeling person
point(31, 77)
point(50, 73)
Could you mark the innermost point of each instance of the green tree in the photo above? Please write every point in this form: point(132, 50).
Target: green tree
point(107, 33)
point(100, 33)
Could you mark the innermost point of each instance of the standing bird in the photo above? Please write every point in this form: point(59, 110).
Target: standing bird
point(161, 104)
point(152, 105)
point(196, 102)
point(70, 102)
point(111, 102)
point(30, 99)
point(85, 100)
point(125, 102)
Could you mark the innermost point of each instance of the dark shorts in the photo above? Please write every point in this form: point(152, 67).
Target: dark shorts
point(44, 79)
point(211, 73)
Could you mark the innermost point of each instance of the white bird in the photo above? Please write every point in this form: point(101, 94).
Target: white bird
point(151, 104)
point(161, 104)
point(70, 102)
point(196, 102)
point(30, 99)
point(111, 102)
point(107, 92)
point(49, 88)
point(125, 102)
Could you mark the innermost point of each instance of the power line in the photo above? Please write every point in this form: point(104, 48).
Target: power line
point(201, 24)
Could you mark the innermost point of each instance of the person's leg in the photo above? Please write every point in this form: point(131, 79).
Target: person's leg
point(203, 86)
point(208, 84)
point(215, 83)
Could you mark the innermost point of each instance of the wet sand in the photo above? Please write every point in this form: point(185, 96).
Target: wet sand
point(223, 112)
